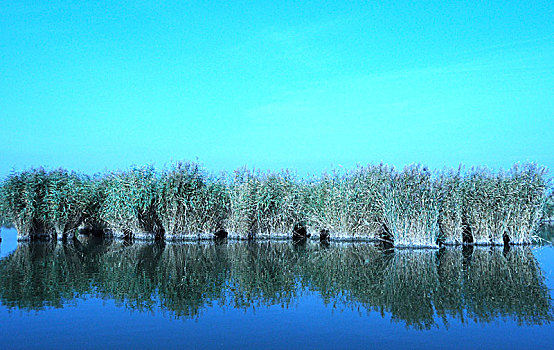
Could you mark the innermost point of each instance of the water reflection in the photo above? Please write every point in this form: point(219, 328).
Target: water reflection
point(419, 288)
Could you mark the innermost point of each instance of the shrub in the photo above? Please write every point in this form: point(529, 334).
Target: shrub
point(263, 203)
point(131, 203)
point(189, 202)
point(349, 204)
point(411, 208)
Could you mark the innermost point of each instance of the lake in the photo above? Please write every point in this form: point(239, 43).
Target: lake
point(108, 294)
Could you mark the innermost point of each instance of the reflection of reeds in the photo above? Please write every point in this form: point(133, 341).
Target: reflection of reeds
point(348, 274)
point(263, 274)
point(128, 275)
point(410, 281)
point(416, 287)
point(448, 298)
point(191, 277)
point(41, 275)
point(506, 284)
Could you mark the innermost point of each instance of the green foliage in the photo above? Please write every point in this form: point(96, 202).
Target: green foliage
point(412, 207)
point(131, 202)
point(350, 204)
point(189, 202)
point(504, 203)
point(549, 208)
point(263, 203)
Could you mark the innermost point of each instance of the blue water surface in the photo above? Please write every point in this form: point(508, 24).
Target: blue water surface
point(110, 295)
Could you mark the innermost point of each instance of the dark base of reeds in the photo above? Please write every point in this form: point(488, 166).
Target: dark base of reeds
point(91, 231)
point(299, 235)
point(300, 232)
point(220, 234)
point(324, 235)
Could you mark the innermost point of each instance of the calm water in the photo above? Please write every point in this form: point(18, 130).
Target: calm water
point(105, 294)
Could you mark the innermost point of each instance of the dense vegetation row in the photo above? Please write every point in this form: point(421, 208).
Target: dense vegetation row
point(411, 207)
point(419, 288)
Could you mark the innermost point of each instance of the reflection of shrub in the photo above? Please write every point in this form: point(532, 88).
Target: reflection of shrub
point(416, 287)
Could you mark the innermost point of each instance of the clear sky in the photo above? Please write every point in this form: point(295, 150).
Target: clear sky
point(94, 85)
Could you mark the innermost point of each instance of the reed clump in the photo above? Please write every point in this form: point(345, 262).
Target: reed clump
point(548, 215)
point(42, 203)
point(350, 204)
point(189, 202)
point(408, 207)
point(505, 205)
point(129, 209)
point(411, 209)
point(263, 204)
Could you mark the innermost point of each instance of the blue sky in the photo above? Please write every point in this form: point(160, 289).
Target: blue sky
point(103, 85)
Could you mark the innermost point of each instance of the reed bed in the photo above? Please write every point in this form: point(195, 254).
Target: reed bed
point(131, 201)
point(507, 203)
point(412, 207)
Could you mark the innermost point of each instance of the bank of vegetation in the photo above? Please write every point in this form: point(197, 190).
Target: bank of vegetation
point(409, 207)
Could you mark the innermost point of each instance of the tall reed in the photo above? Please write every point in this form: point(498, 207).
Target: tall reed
point(548, 216)
point(506, 203)
point(349, 204)
point(449, 185)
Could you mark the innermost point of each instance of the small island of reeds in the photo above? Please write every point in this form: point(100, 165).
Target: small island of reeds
point(412, 207)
